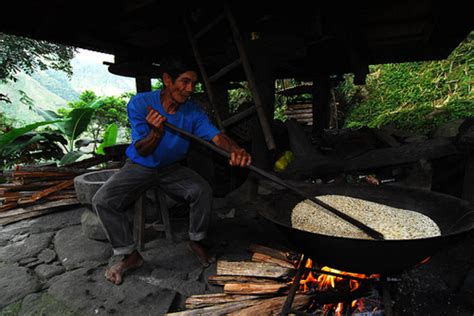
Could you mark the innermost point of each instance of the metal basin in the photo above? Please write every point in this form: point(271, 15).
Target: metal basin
point(454, 217)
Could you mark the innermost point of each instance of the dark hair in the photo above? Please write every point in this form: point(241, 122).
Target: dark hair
point(175, 66)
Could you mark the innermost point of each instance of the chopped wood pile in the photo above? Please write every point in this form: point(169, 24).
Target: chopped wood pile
point(258, 287)
point(32, 192)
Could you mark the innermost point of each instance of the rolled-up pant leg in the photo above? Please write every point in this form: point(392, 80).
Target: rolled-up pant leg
point(185, 184)
point(113, 200)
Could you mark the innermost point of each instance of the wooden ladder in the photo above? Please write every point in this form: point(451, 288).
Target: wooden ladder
point(243, 61)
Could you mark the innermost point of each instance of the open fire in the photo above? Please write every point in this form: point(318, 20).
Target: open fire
point(327, 279)
point(282, 282)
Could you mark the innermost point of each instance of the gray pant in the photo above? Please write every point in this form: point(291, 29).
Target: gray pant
point(117, 195)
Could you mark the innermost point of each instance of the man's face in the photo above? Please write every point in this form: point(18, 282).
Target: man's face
point(182, 88)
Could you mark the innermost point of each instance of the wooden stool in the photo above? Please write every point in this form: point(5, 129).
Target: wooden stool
point(139, 217)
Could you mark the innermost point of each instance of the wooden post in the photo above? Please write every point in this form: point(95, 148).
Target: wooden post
point(264, 74)
point(143, 83)
point(321, 106)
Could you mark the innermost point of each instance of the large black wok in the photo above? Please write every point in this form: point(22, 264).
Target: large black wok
point(454, 217)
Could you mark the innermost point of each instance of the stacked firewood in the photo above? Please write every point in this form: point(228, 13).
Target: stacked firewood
point(36, 191)
point(257, 287)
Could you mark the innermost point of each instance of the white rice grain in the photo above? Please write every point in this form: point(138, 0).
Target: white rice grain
point(393, 223)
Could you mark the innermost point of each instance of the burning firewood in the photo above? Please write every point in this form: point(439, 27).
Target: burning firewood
point(272, 306)
point(261, 288)
point(220, 309)
point(204, 300)
point(287, 256)
point(254, 288)
point(260, 257)
point(224, 279)
point(255, 269)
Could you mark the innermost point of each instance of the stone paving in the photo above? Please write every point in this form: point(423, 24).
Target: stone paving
point(49, 267)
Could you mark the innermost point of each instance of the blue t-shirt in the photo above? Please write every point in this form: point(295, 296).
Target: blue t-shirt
point(173, 147)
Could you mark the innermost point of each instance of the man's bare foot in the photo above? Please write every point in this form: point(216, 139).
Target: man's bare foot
point(201, 253)
point(129, 262)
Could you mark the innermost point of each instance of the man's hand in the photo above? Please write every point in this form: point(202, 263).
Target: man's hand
point(239, 157)
point(155, 120)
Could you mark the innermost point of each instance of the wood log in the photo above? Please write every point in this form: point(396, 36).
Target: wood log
point(40, 174)
point(254, 288)
point(301, 111)
point(15, 215)
point(89, 162)
point(76, 171)
point(300, 115)
point(8, 206)
point(61, 197)
point(260, 257)
point(53, 189)
point(223, 279)
point(300, 106)
point(199, 301)
point(30, 186)
point(272, 306)
point(255, 269)
point(27, 181)
point(286, 255)
point(220, 309)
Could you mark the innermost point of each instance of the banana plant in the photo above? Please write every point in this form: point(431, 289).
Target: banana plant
point(9, 146)
point(109, 139)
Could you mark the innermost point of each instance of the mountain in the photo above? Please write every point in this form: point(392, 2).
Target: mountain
point(37, 93)
point(51, 89)
point(58, 83)
point(91, 74)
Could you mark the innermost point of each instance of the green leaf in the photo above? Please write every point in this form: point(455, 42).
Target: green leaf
point(17, 132)
point(97, 103)
point(110, 138)
point(70, 157)
point(16, 147)
point(77, 122)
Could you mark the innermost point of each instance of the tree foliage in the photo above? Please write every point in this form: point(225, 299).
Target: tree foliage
point(417, 96)
point(112, 109)
point(28, 55)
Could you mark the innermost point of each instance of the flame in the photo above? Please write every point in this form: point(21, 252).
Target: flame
point(323, 281)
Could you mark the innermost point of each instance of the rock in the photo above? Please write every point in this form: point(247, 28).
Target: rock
point(25, 261)
point(91, 226)
point(75, 250)
point(449, 129)
point(92, 294)
point(46, 271)
point(87, 184)
point(15, 283)
point(415, 139)
point(47, 255)
point(33, 264)
point(175, 281)
point(46, 223)
point(43, 304)
point(25, 248)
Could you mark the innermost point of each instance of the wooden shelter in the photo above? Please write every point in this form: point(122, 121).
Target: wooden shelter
point(302, 40)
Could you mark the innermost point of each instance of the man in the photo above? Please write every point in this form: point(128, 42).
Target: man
point(154, 156)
